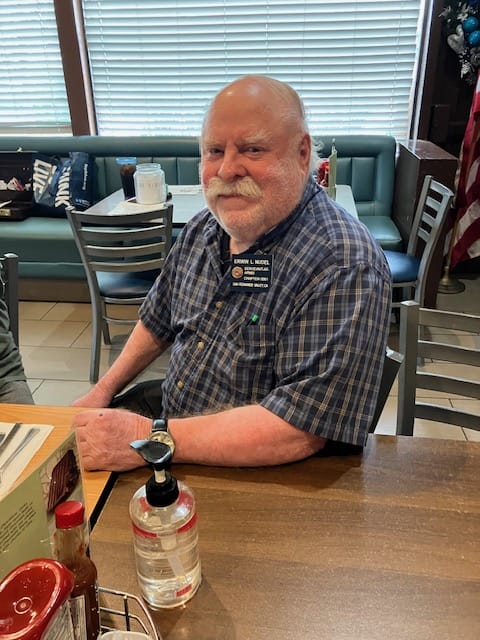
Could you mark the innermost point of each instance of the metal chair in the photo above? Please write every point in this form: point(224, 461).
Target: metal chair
point(414, 321)
point(122, 255)
point(409, 270)
point(9, 289)
point(391, 366)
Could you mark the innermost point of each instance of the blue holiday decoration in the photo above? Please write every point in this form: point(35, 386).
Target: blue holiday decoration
point(474, 38)
point(462, 24)
point(470, 24)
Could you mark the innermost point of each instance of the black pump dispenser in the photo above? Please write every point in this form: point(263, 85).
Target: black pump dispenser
point(162, 488)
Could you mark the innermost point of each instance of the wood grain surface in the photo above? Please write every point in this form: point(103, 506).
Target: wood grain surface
point(383, 545)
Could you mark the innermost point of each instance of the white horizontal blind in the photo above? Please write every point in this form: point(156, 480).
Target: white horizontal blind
point(33, 94)
point(156, 63)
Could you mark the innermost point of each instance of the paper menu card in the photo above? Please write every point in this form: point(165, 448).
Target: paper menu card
point(14, 461)
point(27, 520)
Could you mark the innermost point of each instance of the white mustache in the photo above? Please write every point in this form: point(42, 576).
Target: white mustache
point(244, 187)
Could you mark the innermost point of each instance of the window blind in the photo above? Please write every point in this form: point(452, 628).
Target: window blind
point(33, 92)
point(156, 64)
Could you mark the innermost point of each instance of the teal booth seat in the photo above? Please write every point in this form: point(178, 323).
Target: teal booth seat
point(367, 164)
point(46, 247)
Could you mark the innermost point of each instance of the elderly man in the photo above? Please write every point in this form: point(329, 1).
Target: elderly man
point(275, 301)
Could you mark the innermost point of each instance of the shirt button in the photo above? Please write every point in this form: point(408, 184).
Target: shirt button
point(179, 384)
point(219, 304)
point(200, 344)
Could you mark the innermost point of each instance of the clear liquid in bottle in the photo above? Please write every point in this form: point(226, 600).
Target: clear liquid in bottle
point(166, 549)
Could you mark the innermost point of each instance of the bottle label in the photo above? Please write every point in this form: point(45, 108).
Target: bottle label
point(60, 627)
point(188, 525)
point(79, 619)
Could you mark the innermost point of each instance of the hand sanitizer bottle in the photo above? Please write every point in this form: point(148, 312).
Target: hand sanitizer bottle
point(164, 520)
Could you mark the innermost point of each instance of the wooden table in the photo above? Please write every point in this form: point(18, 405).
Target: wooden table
point(95, 484)
point(384, 545)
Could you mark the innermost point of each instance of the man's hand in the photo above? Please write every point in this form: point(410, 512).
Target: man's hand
point(104, 437)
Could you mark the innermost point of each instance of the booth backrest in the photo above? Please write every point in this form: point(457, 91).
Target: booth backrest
point(366, 163)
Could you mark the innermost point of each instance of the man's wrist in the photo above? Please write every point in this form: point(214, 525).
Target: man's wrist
point(144, 428)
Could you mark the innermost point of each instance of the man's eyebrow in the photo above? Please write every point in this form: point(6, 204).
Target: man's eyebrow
point(258, 139)
point(261, 137)
point(211, 142)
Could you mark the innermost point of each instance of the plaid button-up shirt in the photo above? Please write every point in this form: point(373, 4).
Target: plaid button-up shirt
point(313, 354)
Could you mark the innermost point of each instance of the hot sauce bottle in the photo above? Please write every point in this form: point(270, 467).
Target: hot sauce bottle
point(71, 550)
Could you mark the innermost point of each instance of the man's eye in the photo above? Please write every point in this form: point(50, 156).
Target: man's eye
point(214, 151)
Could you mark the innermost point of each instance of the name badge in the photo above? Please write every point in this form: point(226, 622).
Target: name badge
point(251, 272)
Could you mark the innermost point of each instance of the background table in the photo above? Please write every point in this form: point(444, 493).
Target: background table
point(96, 485)
point(384, 545)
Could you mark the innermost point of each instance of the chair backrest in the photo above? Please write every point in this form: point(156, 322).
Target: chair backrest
point(391, 365)
point(9, 289)
point(433, 206)
point(414, 322)
point(121, 243)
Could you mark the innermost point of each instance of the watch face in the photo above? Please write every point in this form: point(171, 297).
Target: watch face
point(165, 437)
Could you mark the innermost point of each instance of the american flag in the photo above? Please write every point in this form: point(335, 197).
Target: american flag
point(466, 242)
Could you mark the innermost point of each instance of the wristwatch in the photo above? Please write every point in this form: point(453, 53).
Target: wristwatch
point(160, 433)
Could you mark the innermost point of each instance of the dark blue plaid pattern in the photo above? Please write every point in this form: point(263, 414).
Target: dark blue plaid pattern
point(315, 355)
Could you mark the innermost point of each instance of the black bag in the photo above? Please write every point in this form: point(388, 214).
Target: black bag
point(58, 183)
point(16, 197)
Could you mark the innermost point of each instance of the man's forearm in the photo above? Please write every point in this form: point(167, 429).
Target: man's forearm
point(244, 436)
point(140, 350)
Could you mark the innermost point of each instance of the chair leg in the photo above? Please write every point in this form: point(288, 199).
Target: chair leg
point(105, 329)
point(106, 332)
point(97, 322)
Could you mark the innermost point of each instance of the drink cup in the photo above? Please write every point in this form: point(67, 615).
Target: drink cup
point(127, 166)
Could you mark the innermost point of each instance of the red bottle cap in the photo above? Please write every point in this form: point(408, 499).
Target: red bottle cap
point(30, 596)
point(69, 514)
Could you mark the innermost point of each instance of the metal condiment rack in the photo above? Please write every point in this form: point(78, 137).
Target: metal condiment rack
point(134, 613)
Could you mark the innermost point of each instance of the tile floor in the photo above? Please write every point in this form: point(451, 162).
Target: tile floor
point(55, 345)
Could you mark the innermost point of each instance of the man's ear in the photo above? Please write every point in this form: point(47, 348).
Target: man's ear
point(304, 151)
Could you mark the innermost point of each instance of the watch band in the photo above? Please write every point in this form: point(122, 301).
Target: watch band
point(159, 424)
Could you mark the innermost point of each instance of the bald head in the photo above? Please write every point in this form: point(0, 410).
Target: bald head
point(264, 94)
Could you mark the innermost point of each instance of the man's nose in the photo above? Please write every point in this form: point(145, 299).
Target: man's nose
point(231, 166)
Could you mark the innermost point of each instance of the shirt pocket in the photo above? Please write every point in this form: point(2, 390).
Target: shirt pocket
point(253, 360)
